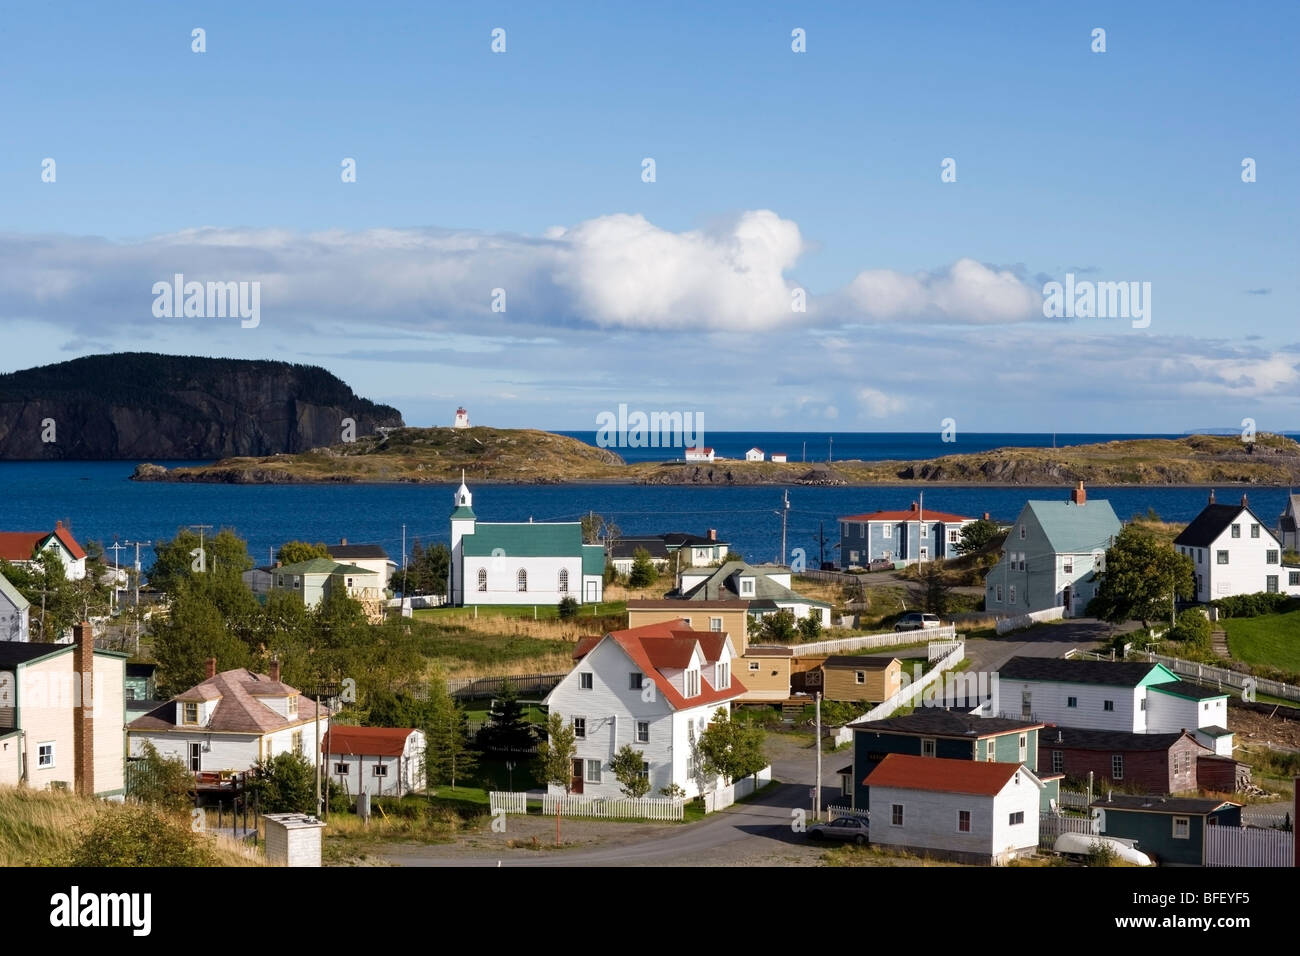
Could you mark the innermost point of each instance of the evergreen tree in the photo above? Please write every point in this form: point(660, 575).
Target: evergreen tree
point(643, 571)
point(507, 731)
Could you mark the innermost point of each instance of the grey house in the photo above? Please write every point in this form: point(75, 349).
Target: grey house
point(1053, 556)
point(1288, 525)
point(14, 613)
point(903, 537)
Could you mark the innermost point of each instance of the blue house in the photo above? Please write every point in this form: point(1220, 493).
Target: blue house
point(903, 537)
point(1171, 830)
point(936, 732)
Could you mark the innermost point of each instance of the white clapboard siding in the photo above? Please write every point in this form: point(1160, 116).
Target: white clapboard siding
point(500, 801)
point(646, 808)
point(1246, 846)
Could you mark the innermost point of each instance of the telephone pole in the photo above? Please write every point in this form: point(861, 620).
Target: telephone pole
point(784, 513)
point(821, 544)
point(817, 806)
point(136, 570)
point(116, 547)
point(202, 554)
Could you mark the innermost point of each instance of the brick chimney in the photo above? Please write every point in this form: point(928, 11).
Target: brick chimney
point(58, 525)
point(1078, 495)
point(1243, 502)
point(343, 542)
point(913, 505)
point(986, 516)
point(210, 668)
point(1211, 496)
point(713, 534)
point(83, 710)
point(275, 669)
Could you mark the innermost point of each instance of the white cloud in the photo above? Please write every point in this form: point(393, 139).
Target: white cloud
point(965, 292)
point(878, 404)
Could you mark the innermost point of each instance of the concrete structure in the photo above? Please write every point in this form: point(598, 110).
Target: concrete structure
point(382, 761)
point(293, 839)
point(24, 548)
point(855, 678)
point(15, 613)
point(1233, 552)
point(1053, 556)
point(1132, 697)
point(62, 710)
point(655, 687)
point(904, 537)
point(232, 720)
point(521, 562)
point(965, 810)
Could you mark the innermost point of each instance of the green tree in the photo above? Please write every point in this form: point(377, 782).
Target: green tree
point(448, 753)
point(810, 626)
point(1192, 629)
point(643, 571)
point(555, 755)
point(225, 556)
point(730, 749)
point(567, 609)
point(1142, 576)
point(507, 731)
point(292, 552)
point(779, 627)
point(162, 781)
point(427, 569)
point(193, 631)
point(628, 767)
point(286, 783)
point(933, 592)
point(979, 536)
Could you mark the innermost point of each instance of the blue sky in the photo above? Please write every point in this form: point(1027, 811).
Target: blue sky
point(775, 170)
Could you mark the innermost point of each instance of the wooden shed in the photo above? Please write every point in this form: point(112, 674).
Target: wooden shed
point(870, 679)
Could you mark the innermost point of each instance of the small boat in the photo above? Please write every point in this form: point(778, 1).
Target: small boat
point(1079, 844)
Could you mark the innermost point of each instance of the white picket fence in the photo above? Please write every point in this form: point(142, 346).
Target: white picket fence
point(1029, 620)
point(872, 641)
point(646, 808)
point(837, 812)
point(1246, 846)
point(719, 798)
point(1075, 799)
point(906, 695)
point(1051, 825)
point(499, 800)
point(1209, 674)
point(938, 649)
point(747, 785)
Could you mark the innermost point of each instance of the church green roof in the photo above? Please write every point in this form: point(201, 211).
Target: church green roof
point(463, 511)
point(593, 559)
point(525, 539)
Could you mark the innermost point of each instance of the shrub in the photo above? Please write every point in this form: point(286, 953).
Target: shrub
point(1253, 605)
point(161, 781)
point(1101, 854)
point(1192, 629)
point(140, 836)
point(567, 608)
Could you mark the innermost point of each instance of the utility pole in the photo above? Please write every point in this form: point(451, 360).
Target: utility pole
point(805, 452)
point(116, 547)
point(821, 544)
point(817, 808)
point(784, 512)
point(830, 450)
point(920, 530)
point(137, 545)
point(403, 564)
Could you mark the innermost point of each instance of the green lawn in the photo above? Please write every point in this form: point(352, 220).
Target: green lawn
point(1270, 639)
point(463, 646)
point(544, 612)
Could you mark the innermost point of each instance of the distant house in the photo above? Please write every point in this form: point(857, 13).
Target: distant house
point(51, 733)
point(728, 616)
point(140, 681)
point(1153, 763)
point(766, 586)
point(382, 761)
point(693, 550)
point(259, 580)
point(699, 453)
point(1233, 552)
point(754, 454)
point(25, 547)
point(1053, 556)
point(1171, 830)
point(779, 457)
point(230, 721)
point(916, 534)
point(1133, 697)
point(1288, 525)
point(313, 580)
point(947, 734)
point(974, 812)
point(868, 679)
point(654, 687)
point(461, 420)
point(372, 557)
point(15, 613)
point(521, 562)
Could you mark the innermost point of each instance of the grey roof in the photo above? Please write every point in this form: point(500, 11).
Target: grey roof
point(1059, 670)
point(723, 584)
point(1195, 806)
point(20, 652)
point(1075, 529)
point(12, 595)
point(1212, 522)
point(1077, 738)
point(1214, 731)
point(1182, 688)
point(628, 547)
point(937, 722)
point(353, 552)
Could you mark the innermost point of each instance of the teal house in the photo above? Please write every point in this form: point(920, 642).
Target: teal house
point(936, 732)
point(1170, 830)
point(1053, 557)
point(521, 562)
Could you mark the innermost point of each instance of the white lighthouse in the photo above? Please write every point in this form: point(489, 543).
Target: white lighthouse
point(462, 419)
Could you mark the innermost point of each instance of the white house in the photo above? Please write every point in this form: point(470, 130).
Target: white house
point(969, 810)
point(1053, 556)
point(25, 547)
point(699, 453)
point(381, 761)
point(754, 454)
point(1133, 697)
point(371, 557)
point(230, 721)
point(655, 687)
point(1233, 552)
point(461, 420)
point(767, 587)
point(779, 457)
point(521, 562)
point(15, 613)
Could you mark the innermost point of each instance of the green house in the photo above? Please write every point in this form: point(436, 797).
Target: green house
point(1171, 830)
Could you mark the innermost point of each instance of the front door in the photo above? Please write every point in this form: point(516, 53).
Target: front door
point(591, 591)
point(1067, 601)
point(575, 785)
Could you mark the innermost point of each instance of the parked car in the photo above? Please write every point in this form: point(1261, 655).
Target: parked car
point(845, 828)
point(916, 621)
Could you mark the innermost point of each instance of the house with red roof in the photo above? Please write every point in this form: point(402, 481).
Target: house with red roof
point(973, 811)
point(381, 761)
point(25, 548)
point(231, 720)
point(754, 454)
point(700, 453)
point(655, 687)
point(903, 536)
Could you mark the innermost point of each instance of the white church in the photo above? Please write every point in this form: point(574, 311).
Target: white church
point(520, 562)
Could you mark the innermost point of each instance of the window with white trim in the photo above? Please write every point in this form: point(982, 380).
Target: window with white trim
point(643, 731)
point(379, 770)
point(715, 624)
point(888, 531)
point(191, 714)
point(1182, 828)
point(1254, 531)
point(1221, 557)
point(692, 682)
point(593, 771)
point(564, 581)
point(928, 747)
point(1024, 747)
point(859, 677)
point(521, 580)
point(342, 769)
point(724, 675)
point(1236, 531)
point(45, 754)
point(1011, 599)
point(1270, 556)
point(753, 667)
point(585, 680)
point(580, 728)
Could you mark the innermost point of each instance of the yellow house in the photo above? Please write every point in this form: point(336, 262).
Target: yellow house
point(729, 616)
point(870, 679)
point(764, 669)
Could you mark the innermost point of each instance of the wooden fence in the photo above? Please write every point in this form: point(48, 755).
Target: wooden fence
point(1075, 799)
point(1246, 846)
point(1051, 825)
point(500, 801)
point(646, 808)
point(532, 684)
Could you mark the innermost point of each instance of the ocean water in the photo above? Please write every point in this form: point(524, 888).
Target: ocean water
point(100, 503)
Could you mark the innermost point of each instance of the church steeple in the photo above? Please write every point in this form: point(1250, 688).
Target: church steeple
point(463, 498)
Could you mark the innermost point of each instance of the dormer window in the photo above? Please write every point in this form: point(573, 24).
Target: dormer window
point(692, 683)
point(746, 585)
point(724, 674)
point(293, 706)
point(190, 714)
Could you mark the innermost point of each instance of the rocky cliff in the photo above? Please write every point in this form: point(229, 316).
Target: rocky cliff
point(140, 405)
